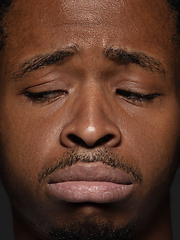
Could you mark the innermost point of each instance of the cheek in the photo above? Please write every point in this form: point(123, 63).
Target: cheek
point(26, 146)
point(153, 143)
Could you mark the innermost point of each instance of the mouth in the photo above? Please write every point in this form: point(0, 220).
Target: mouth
point(90, 182)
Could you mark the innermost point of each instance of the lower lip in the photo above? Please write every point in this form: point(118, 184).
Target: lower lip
point(83, 191)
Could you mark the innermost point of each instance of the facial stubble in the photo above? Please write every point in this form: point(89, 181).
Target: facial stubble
point(91, 227)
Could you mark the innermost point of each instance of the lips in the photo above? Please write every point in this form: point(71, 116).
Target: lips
point(90, 182)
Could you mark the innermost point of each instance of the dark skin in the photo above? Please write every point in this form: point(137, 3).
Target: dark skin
point(93, 77)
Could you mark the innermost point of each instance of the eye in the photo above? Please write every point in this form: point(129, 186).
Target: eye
point(44, 96)
point(136, 97)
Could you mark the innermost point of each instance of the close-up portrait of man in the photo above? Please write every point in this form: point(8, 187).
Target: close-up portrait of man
point(90, 117)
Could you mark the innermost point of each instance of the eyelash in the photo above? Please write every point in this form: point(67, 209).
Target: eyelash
point(134, 96)
point(45, 96)
point(48, 96)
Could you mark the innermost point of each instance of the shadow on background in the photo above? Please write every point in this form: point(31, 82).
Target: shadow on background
point(6, 225)
point(175, 205)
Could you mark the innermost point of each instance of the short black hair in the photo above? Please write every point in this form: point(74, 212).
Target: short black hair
point(175, 5)
point(4, 4)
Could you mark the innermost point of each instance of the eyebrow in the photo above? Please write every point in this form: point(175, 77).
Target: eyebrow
point(42, 60)
point(118, 55)
point(140, 59)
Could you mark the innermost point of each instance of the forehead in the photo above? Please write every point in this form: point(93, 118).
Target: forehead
point(45, 25)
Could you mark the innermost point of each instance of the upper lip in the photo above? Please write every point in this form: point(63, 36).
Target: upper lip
point(91, 172)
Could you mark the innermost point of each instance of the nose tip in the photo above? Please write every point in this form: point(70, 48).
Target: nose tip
point(101, 133)
point(92, 121)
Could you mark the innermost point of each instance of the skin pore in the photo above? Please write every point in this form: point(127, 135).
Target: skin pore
point(89, 93)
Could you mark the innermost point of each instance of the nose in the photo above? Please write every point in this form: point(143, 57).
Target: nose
point(91, 124)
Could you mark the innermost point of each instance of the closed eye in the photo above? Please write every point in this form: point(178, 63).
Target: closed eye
point(134, 96)
point(44, 96)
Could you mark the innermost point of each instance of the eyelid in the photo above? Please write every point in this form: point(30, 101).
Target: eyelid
point(44, 96)
point(126, 92)
point(39, 84)
point(27, 93)
point(135, 97)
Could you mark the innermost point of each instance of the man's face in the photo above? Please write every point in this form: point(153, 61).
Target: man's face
point(90, 113)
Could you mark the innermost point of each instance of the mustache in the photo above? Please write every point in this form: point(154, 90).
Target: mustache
point(105, 156)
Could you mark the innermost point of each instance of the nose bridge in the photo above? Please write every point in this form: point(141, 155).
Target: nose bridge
point(93, 106)
point(92, 120)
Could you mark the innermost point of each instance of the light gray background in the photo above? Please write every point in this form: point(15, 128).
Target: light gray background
point(6, 226)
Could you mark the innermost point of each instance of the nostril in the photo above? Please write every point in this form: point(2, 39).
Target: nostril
point(105, 139)
point(76, 139)
point(91, 135)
